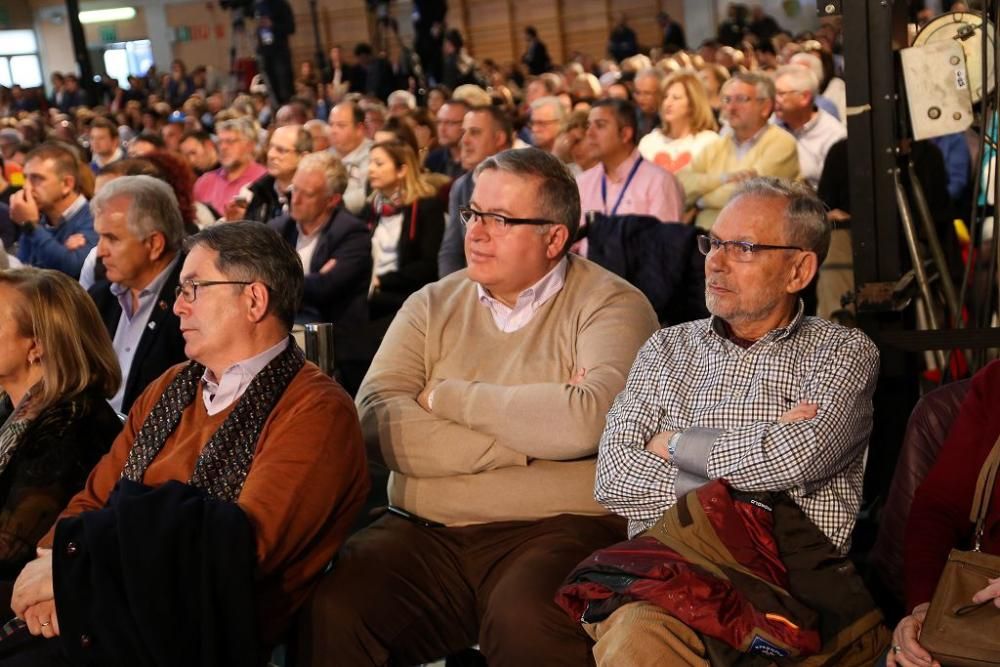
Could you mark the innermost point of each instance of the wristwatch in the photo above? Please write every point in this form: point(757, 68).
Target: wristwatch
point(29, 225)
point(673, 442)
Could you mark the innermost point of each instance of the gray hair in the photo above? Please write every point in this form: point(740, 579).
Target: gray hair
point(404, 96)
point(330, 166)
point(800, 76)
point(810, 62)
point(152, 207)
point(254, 252)
point(557, 194)
point(241, 125)
point(550, 101)
point(762, 83)
point(652, 73)
point(805, 215)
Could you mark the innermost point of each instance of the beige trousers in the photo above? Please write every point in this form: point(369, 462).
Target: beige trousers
point(639, 634)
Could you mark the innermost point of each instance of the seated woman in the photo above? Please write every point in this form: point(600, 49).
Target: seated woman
point(687, 124)
point(406, 217)
point(939, 516)
point(57, 368)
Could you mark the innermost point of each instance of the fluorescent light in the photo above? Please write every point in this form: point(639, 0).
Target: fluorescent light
point(107, 15)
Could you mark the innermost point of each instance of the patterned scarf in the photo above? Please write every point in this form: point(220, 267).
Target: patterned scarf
point(12, 428)
point(225, 461)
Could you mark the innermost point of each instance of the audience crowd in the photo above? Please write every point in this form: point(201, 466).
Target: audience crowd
point(589, 317)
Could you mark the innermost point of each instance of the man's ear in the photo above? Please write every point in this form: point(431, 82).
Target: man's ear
point(558, 238)
point(804, 269)
point(157, 245)
point(259, 301)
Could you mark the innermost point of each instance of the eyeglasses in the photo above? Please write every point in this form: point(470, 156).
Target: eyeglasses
point(495, 223)
point(544, 122)
point(189, 288)
point(741, 251)
point(785, 93)
point(738, 99)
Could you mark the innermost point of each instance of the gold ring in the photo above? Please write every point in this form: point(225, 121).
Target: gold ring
point(46, 624)
point(897, 649)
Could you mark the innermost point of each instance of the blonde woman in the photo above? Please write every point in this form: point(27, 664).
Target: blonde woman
point(57, 368)
point(687, 124)
point(406, 217)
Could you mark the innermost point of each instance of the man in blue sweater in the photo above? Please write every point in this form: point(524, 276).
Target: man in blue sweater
point(57, 228)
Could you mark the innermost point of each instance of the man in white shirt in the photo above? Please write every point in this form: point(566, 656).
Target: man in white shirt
point(814, 129)
point(352, 146)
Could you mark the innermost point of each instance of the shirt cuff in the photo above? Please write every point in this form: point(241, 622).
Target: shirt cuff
point(685, 482)
point(694, 448)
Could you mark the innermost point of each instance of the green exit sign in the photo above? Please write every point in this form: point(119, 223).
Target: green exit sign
point(108, 33)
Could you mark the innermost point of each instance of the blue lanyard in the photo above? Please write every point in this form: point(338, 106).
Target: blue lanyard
point(604, 188)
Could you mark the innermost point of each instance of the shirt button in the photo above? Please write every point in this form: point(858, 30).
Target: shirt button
point(128, 349)
point(72, 548)
point(85, 641)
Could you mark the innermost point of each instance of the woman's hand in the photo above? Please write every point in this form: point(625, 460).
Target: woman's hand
point(906, 651)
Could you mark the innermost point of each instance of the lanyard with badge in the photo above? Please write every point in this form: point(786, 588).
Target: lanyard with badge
point(604, 188)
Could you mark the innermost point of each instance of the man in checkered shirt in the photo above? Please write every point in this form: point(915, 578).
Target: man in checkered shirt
point(757, 394)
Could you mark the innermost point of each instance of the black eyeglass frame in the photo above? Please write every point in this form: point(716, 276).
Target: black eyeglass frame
point(195, 284)
point(710, 243)
point(467, 213)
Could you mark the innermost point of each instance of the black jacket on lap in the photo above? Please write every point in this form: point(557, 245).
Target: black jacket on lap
point(159, 577)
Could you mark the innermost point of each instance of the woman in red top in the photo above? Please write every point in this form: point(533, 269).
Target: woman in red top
point(939, 517)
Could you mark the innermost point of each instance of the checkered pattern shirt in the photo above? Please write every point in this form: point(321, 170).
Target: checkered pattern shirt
point(727, 400)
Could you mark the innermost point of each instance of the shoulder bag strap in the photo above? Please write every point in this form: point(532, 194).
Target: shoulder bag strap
point(984, 492)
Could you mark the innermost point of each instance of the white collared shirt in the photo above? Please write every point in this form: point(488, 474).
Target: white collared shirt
point(528, 302)
point(219, 393)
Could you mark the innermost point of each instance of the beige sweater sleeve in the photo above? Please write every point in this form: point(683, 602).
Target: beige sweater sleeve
point(556, 420)
point(398, 431)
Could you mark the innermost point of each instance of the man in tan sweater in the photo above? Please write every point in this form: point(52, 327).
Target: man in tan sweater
point(486, 401)
point(752, 148)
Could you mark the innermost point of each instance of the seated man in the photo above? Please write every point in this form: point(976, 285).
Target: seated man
point(486, 400)
point(248, 426)
point(757, 394)
point(754, 147)
point(336, 252)
point(140, 233)
point(57, 229)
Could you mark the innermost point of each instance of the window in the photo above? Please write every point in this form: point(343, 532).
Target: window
point(19, 62)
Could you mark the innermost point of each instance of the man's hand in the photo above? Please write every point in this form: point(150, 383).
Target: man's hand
point(991, 592)
point(740, 176)
point(906, 651)
point(23, 207)
point(75, 241)
point(837, 215)
point(658, 444)
point(42, 620)
point(424, 399)
point(235, 210)
point(328, 266)
point(34, 584)
point(800, 412)
point(577, 377)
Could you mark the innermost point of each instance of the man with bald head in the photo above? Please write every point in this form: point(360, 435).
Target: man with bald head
point(268, 196)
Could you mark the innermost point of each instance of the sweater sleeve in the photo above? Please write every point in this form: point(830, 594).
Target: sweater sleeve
point(398, 431)
point(939, 515)
point(701, 178)
point(606, 343)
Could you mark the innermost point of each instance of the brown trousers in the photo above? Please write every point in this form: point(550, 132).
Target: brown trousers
point(403, 594)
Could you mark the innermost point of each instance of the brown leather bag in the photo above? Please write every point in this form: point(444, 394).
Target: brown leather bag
point(957, 632)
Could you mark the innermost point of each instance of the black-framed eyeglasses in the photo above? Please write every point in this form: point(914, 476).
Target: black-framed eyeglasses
point(189, 288)
point(742, 251)
point(496, 223)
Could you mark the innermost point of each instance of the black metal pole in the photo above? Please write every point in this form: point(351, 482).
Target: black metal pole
point(320, 51)
point(80, 52)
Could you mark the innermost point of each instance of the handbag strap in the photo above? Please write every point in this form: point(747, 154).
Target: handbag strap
point(984, 491)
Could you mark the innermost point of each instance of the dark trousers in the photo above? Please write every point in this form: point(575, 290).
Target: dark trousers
point(403, 594)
